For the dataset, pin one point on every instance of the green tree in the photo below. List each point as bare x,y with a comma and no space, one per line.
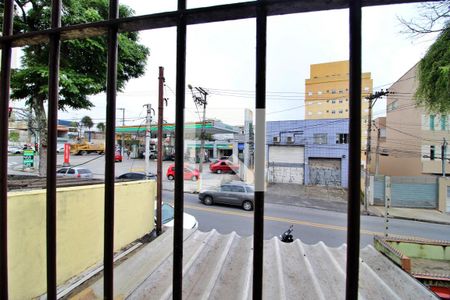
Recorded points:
83,61
433,91
101,126
14,136
87,122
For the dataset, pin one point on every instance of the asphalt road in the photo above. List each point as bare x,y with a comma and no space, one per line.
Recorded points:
310,225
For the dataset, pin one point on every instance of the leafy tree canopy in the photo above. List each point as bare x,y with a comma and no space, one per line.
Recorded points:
101,126
87,122
83,61
433,90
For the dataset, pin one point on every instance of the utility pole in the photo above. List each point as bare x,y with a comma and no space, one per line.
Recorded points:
372,100
443,156
200,99
159,175
147,137
122,135
377,158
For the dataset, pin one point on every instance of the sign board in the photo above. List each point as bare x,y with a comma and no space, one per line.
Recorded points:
28,158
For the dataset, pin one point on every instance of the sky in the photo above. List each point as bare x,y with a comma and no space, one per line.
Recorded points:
221,59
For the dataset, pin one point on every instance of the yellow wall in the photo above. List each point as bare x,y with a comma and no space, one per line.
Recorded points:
330,82
79,231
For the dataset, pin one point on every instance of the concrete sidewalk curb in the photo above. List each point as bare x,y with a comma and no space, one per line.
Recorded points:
380,214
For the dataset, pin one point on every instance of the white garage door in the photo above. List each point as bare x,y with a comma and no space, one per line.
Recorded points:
286,164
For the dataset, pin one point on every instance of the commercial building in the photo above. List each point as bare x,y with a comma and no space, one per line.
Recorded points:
327,94
414,138
191,137
310,152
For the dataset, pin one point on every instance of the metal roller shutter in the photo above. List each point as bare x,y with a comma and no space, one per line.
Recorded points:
286,164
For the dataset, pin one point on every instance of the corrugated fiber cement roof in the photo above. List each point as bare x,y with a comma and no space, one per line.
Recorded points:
219,266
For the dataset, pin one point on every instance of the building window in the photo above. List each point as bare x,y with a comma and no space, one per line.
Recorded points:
341,138
432,117
333,91
341,111
319,92
340,101
319,113
333,111
319,103
341,91
346,100
328,111
432,152
333,101
392,106
310,93
366,89
309,113
443,122
320,138
346,110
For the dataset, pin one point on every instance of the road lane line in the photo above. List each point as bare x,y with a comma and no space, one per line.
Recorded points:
279,219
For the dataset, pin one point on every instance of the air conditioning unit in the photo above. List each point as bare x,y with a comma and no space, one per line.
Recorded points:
276,139
290,139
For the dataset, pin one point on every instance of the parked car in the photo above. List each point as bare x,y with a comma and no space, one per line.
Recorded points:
118,157
77,172
15,150
137,176
238,193
223,166
189,173
167,210
60,149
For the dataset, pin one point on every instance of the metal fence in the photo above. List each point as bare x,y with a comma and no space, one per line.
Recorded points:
180,18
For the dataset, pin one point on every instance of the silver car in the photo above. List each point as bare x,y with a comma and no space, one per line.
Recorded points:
239,194
76,172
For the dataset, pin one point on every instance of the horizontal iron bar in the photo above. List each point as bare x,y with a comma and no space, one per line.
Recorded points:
202,15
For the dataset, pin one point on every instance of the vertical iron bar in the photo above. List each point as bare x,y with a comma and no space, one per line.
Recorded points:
258,227
111,86
159,176
179,149
4,105
354,174
52,133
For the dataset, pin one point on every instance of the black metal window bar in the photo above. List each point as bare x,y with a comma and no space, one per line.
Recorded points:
181,18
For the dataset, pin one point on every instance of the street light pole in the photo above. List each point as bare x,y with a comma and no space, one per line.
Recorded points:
122,135
200,99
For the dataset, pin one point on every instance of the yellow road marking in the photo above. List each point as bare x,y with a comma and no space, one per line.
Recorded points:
279,219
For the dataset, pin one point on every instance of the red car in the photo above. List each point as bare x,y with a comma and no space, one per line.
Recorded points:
222,166
117,157
189,173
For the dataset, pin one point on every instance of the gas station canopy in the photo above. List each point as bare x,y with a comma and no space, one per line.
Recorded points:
211,127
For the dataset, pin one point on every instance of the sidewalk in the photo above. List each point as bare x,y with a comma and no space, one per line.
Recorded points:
335,199
416,214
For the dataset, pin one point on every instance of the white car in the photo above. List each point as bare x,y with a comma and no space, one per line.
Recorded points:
189,221
15,150
76,172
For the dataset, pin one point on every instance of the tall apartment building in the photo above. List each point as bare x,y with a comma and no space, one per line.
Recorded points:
327,94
